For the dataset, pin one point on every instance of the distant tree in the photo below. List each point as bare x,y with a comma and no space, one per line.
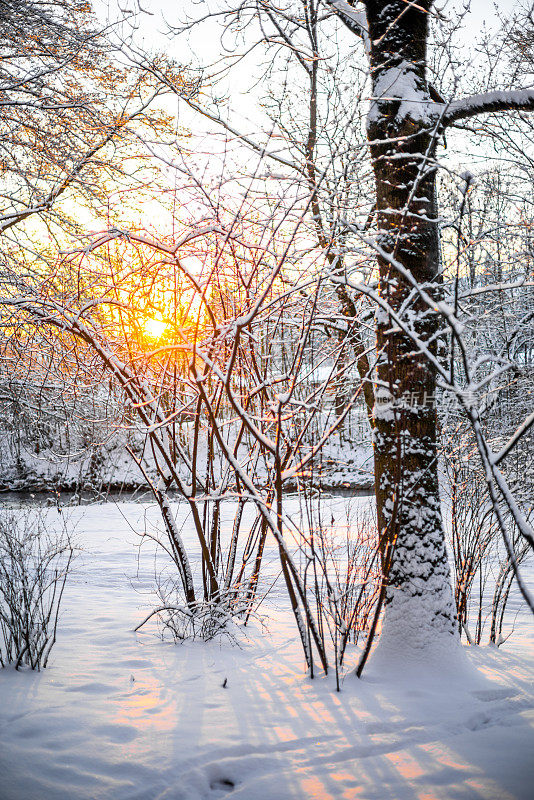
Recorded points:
72,104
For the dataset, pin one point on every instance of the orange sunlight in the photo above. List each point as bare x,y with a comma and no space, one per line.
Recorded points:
154,328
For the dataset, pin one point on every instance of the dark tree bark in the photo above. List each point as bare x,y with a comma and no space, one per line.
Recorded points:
402,139
405,121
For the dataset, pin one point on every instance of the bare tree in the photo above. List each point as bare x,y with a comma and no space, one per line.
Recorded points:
72,104
405,125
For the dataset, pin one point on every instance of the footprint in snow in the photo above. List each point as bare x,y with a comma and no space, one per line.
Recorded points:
92,687
478,721
222,785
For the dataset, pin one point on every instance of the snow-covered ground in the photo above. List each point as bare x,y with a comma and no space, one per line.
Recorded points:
125,716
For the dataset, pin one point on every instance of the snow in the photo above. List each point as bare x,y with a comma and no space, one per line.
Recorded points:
110,467
356,21
125,716
403,83
511,100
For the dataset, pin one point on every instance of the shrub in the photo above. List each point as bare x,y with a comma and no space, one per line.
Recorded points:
34,565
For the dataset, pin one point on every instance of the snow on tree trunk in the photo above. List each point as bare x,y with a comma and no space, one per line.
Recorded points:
419,607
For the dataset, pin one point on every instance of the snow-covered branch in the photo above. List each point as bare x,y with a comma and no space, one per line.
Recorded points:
353,19
487,103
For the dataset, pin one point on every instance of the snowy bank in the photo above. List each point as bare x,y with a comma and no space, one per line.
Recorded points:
120,716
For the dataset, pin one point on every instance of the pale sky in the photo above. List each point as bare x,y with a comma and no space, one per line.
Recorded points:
205,45
246,115
482,11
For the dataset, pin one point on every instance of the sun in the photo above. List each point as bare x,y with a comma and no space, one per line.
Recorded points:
154,328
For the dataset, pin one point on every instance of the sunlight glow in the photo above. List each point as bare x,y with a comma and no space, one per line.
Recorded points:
154,328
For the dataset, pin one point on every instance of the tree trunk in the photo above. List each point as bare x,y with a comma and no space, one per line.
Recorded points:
419,608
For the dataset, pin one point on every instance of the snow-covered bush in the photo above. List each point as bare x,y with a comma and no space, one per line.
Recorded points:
342,574
483,566
34,565
204,620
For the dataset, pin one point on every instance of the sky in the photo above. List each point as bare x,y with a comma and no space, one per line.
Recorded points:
205,47
482,12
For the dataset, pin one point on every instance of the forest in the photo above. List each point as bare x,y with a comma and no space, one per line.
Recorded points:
266,392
